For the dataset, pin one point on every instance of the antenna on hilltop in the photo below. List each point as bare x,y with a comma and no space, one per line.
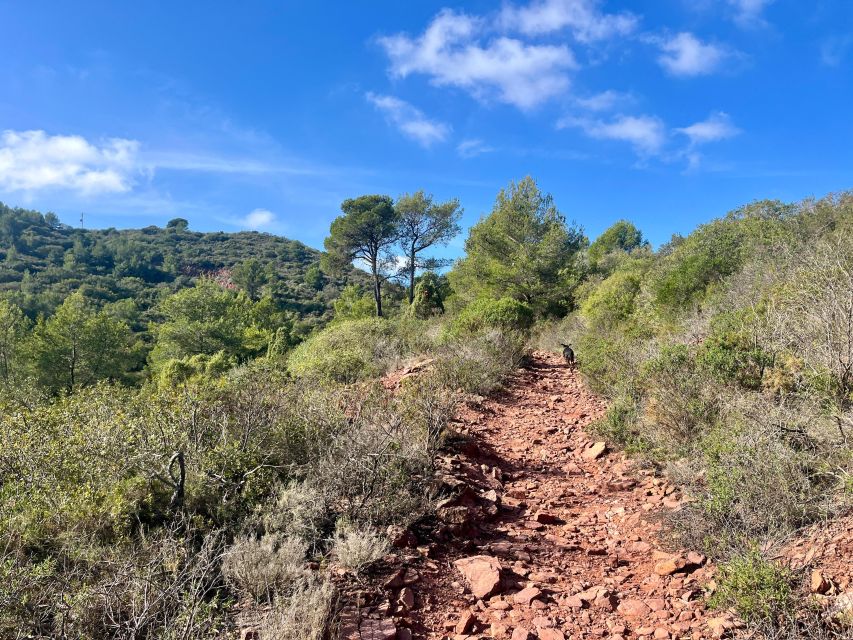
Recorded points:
81,219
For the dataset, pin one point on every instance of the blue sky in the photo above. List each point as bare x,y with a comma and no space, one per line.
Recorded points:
267,114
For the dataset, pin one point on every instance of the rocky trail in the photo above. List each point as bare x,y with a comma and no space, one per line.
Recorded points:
544,533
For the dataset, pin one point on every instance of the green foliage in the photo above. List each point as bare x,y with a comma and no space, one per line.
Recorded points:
354,304
758,589
732,353
422,224
206,320
613,302
366,231
484,314
250,276
429,296
346,351
678,398
13,329
524,250
620,238
79,346
43,261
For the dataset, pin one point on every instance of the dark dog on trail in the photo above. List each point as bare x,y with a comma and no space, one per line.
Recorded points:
568,354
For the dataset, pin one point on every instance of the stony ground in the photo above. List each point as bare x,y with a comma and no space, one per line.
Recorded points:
544,534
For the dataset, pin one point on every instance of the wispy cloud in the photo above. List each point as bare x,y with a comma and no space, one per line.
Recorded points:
834,49
459,50
409,120
685,55
646,134
749,13
35,160
472,147
584,18
205,162
718,126
604,101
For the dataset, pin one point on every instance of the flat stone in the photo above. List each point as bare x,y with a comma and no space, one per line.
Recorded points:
482,573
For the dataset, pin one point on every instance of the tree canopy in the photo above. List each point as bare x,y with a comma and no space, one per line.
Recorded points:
366,231
424,223
523,249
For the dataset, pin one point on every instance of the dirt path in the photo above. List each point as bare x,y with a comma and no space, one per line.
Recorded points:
548,535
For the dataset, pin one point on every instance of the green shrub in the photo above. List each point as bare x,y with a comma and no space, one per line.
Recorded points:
479,364
680,403
756,588
483,314
621,425
347,351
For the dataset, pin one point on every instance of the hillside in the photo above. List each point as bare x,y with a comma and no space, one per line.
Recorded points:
42,261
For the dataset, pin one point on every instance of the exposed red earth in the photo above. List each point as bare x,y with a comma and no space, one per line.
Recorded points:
545,534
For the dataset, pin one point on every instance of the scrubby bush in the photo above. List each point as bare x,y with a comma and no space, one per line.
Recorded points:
261,568
484,314
356,547
303,615
478,364
347,351
757,589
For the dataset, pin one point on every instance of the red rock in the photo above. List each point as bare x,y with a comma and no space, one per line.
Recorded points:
551,634
466,623
520,633
407,598
669,566
526,595
818,582
661,634
378,629
547,518
482,573
633,608
595,451
573,602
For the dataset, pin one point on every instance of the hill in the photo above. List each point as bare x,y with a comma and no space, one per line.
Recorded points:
42,261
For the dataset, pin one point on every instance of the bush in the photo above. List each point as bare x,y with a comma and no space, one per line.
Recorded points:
479,364
347,351
356,547
266,567
302,615
299,511
485,314
680,403
759,590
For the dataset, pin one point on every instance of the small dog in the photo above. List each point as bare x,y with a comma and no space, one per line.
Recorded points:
568,354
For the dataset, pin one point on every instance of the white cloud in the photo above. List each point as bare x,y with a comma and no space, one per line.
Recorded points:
718,126
34,160
259,219
749,12
409,120
583,18
833,50
685,55
604,101
472,147
453,51
647,134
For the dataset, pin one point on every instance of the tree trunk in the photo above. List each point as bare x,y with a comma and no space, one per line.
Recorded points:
377,291
412,276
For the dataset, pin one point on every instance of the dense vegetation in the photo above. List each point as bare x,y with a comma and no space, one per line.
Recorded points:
43,261
172,451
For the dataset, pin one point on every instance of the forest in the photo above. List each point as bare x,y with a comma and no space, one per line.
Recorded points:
196,421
